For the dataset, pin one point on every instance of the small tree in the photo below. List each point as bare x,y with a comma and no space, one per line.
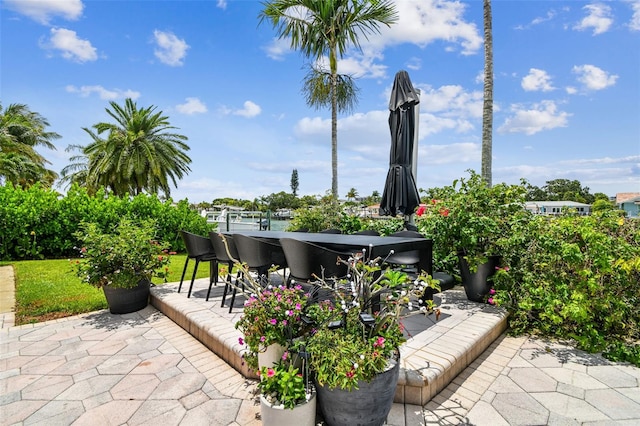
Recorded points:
295,184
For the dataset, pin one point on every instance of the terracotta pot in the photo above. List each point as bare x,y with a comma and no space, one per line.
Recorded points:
301,415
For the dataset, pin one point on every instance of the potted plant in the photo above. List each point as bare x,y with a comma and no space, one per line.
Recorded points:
122,261
270,322
354,345
286,395
467,220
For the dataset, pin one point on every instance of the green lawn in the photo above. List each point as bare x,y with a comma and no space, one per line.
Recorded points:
49,289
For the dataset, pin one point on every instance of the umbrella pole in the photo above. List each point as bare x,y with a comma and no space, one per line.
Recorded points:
409,221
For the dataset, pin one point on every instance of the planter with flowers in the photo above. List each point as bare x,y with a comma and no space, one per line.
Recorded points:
467,222
354,345
272,326
122,261
286,395
270,323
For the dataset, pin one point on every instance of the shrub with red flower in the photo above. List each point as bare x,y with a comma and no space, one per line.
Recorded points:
469,217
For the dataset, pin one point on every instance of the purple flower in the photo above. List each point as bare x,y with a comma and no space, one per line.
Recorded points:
273,321
241,340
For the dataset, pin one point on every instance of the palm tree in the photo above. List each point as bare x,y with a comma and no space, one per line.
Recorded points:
328,27
352,194
487,107
21,130
138,153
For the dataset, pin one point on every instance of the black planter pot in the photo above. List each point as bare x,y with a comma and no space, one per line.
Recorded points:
369,405
475,284
127,300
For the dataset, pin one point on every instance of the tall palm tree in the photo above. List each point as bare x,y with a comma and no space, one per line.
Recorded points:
487,107
138,153
21,131
328,27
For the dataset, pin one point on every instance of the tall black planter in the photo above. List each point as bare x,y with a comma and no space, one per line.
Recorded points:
127,300
475,284
369,405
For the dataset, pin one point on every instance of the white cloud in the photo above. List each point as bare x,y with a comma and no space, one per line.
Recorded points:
427,21
192,106
70,46
537,80
109,95
278,48
222,4
414,63
598,17
420,23
538,20
571,90
455,153
634,23
541,116
451,101
594,78
171,50
249,110
43,11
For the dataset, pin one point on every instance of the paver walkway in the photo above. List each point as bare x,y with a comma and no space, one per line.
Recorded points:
141,368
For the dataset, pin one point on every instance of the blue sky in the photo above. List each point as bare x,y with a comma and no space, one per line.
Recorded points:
567,90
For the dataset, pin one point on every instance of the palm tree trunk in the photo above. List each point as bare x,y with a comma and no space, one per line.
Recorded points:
334,134
487,107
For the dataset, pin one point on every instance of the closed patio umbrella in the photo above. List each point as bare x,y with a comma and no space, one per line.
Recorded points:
400,195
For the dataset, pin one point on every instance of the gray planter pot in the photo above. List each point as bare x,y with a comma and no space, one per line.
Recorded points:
475,284
369,405
127,300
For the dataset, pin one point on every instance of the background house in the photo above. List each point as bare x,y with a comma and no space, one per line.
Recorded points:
554,208
629,202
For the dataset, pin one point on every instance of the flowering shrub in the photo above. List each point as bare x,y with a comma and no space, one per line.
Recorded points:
271,315
357,333
283,384
122,257
469,217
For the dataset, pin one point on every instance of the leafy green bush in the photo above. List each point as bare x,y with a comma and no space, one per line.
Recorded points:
575,277
122,256
37,223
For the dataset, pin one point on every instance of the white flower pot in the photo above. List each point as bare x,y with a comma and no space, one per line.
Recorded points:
301,415
270,355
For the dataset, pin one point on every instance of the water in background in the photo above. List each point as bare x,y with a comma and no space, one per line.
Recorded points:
279,225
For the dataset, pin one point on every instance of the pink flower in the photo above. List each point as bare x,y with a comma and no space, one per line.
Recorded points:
262,338
271,372
379,342
298,307
285,355
492,291
491,301
273,321
241,340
